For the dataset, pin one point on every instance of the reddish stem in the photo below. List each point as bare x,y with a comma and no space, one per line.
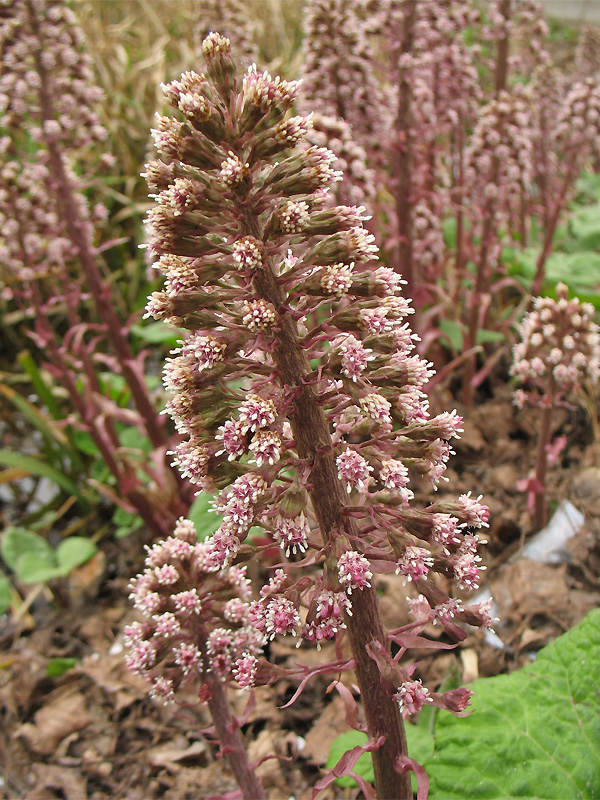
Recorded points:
314,445
501,72
550,228
76,229
540,513
402,156
231,740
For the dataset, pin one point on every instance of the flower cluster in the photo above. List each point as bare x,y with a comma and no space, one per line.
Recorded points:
577,131
339,79
41,43
558,351
298,385
47,95
253,297
231,17
498,159
196,617
358,184
587,56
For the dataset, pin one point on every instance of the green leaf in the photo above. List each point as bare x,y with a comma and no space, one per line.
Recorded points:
483,336
84,442
73,552
115,386
206,522
575,269
158,333
135,439
58,666
33,568
5,594
449,232
585,227
420,747
364,765
126,523
534,734
453,332
19,542
37,467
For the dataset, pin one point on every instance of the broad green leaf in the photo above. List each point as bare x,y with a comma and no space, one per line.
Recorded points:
585,227
73,552
420,747
126,523
588,185
135,439
577,270
5,594
449,232
58,666
364,765
18,542
534,734
205,521
32,568
84,442
115,386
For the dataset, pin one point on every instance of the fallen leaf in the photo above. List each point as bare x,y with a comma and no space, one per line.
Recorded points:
196,754
64,714
51,780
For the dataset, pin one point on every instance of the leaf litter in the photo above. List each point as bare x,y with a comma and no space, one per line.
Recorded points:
92,732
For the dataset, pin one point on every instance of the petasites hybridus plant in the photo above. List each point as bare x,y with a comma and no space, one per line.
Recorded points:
303,402
559,351
50,137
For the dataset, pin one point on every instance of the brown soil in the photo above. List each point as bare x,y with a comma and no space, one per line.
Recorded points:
93,732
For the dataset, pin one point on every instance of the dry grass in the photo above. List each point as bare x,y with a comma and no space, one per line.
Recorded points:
138,44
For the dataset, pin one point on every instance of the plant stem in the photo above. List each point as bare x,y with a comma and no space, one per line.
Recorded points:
313,443
501,72
76,230
402,156
550,228
540,513
482,282
231,740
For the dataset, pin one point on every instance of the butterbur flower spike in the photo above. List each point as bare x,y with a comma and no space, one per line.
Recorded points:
558,352
300,393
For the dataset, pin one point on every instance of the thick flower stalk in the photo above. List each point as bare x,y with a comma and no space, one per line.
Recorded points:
559,351
298,387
